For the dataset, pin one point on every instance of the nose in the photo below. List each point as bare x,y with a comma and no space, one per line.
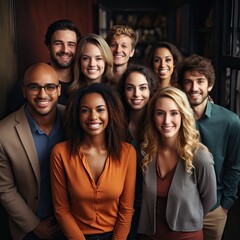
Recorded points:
136,92
64,47
162,63
194,86
166,118
93,115
118,48
92,62
42,92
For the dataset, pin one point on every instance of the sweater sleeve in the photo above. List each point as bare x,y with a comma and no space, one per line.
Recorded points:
206,179
60,196
126,200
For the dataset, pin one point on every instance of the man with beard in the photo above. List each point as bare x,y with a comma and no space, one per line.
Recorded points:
220,131
26,141
61,38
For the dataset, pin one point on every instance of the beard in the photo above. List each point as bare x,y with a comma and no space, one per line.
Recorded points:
63,65
195,103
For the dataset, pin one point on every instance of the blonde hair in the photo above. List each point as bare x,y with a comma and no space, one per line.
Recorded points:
119,30
79,79
188,140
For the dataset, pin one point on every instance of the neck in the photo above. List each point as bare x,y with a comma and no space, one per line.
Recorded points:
64,74
45,122
199,109
119,70
96,142
165,83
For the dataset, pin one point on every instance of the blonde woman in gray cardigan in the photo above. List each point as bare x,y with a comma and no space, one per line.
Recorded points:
179,184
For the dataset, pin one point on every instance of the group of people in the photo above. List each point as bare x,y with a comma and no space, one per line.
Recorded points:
96,168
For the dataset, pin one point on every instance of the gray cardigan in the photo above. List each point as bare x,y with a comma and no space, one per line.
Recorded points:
190,197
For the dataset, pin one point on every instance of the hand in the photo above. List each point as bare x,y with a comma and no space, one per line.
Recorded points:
46,228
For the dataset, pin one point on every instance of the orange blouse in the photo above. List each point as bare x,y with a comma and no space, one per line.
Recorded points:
85,207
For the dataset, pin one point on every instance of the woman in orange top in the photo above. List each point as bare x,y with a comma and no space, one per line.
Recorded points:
93,173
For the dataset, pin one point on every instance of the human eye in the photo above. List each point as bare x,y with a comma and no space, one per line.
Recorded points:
113,45
174,113
50,88
99,58
57,43
129,88
159,113
186,82
168,59
142,88
156,60
84,110
72,44
101,109
85,58
33,87
201,81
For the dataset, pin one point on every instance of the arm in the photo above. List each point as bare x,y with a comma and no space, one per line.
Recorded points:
11,199
231,173
206,179
126,200
60,197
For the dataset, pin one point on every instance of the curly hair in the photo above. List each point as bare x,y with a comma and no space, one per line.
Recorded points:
113,137
198,64
79,79
188,139
119,30
177,58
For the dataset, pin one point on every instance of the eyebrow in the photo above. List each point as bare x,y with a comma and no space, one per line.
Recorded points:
139,84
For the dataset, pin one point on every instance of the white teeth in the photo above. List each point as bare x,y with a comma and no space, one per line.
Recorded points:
163,71
137,101
94,126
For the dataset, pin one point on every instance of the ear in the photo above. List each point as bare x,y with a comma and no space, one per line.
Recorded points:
132,52
59,89
210,88
23,89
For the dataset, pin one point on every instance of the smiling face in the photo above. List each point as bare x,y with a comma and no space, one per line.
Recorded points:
92,63
163,64
137,91
196,87
167,118
41,104
93,114
63,48
122,50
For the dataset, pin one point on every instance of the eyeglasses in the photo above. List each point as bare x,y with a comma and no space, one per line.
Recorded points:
34,89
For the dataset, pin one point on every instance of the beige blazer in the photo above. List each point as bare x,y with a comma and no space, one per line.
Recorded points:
19,174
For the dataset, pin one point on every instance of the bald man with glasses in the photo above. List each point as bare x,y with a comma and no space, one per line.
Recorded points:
26,140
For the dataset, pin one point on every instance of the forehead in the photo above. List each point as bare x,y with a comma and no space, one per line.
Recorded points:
91,49
136,78
162,52
122,39
92,100
64,35
166,103
41,76
194,75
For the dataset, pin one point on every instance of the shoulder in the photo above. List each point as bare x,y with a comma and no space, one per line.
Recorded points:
61,147
127,147
225,114
202,156
12,119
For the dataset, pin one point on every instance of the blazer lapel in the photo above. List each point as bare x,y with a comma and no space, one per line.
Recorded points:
25,135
